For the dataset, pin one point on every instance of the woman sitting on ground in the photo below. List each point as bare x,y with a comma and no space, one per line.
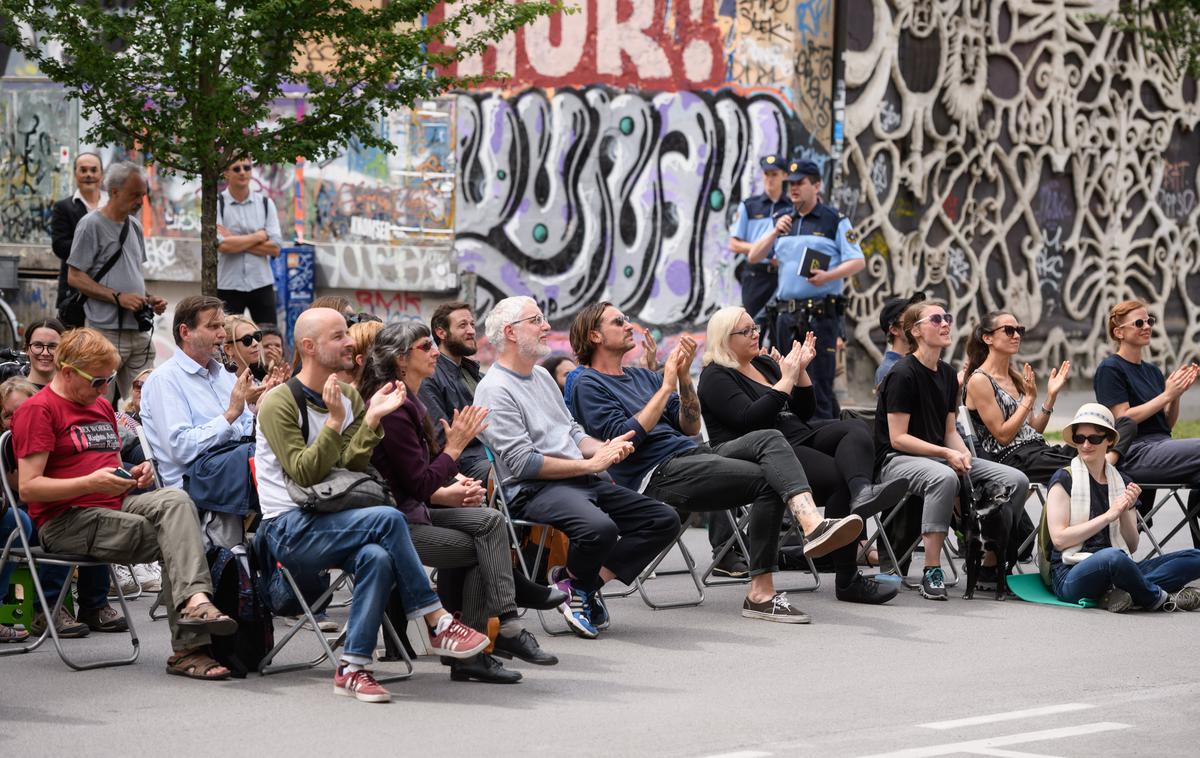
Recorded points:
916,438
742,391
1094,531
41,343
1001,402
450,528
1135,388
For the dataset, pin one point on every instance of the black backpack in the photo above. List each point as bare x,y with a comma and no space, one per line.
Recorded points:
236,595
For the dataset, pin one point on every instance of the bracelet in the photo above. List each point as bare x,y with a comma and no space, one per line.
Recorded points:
1046,410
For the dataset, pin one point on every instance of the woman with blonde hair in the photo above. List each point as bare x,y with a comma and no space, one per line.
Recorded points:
743,391
243,346
363,333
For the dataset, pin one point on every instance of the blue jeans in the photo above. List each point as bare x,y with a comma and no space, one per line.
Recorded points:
93,580
1144,581
373,545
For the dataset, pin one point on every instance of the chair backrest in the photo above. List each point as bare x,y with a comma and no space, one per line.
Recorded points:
8,461
966,428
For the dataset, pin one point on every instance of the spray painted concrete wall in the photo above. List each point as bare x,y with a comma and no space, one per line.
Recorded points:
1016,154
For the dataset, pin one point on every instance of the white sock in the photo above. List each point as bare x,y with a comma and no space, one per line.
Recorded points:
351,667
442,623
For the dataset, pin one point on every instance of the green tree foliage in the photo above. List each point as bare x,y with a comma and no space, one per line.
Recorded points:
1170,28
190,83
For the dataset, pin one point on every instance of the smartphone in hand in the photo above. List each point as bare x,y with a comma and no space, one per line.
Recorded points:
122,473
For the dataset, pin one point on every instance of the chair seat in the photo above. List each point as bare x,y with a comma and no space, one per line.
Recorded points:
41,554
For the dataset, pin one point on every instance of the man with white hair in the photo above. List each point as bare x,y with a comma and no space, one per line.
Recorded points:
554,473
106,265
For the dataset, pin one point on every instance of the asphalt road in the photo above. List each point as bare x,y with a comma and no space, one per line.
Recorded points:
913,678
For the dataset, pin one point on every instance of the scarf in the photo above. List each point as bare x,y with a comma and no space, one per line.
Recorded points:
1081,507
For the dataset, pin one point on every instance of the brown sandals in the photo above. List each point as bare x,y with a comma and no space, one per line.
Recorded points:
207,617
196,664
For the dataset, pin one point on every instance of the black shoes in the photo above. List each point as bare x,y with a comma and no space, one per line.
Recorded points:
732,565
864,589
877,498
482,668
831,534
524,646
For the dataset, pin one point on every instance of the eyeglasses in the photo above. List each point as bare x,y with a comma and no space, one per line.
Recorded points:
424,347
750,331
621,321
361,318
537,320
43,347
98,383
1139,323
1008,329
247,339
938,319
1094,439
242,168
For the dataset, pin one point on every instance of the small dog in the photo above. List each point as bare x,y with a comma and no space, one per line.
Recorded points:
986,526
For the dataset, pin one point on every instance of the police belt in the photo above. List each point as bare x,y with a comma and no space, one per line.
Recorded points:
830,305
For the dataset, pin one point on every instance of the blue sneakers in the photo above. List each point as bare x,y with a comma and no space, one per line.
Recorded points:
577,611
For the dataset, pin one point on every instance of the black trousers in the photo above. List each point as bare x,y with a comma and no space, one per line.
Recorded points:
794,326
260,302
607,525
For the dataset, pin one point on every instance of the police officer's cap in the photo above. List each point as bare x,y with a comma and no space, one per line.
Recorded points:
772,162
798,170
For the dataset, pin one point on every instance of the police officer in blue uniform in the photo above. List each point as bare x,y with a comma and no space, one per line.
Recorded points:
811,298
756,219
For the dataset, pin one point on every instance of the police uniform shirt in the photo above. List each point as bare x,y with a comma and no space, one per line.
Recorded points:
825,230
756,218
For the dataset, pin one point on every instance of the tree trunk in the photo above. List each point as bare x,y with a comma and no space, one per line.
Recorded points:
208,230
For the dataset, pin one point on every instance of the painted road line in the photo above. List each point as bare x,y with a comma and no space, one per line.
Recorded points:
1008,716
980,747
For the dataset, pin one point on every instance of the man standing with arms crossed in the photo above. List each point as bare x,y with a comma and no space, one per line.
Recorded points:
248,237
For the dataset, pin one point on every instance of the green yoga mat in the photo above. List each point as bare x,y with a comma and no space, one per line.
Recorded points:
1029,588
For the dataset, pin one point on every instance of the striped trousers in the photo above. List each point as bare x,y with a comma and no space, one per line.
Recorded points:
469,547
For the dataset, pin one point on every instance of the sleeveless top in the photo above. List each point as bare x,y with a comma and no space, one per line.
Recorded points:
991,448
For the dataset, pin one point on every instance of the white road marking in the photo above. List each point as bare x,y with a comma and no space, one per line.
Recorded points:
1008,716
980,747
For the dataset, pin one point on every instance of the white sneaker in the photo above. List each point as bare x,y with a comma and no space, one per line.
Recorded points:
128,584
324,623
149,575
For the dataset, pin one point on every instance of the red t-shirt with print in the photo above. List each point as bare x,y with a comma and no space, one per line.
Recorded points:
79,438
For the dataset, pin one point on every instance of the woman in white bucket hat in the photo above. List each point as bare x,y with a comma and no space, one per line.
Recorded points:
1093,531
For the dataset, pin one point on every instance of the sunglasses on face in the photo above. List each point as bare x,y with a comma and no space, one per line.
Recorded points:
1142,322
247,339
938,319
98,383
424,347
1009,330
537,320
750,331
241,168
1094,439
621,321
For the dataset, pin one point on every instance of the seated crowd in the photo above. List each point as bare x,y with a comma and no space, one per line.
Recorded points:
614,456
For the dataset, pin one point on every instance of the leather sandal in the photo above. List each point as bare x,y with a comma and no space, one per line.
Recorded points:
196,664
207,617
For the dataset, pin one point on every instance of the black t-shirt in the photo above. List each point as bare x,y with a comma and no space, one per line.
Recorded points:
1119,381
927,396
1099,504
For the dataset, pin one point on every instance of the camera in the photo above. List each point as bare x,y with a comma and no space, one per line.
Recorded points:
144,317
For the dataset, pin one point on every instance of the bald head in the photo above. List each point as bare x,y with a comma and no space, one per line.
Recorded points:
321,336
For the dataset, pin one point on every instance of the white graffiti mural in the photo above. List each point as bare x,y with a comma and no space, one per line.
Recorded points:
597,193
1017,154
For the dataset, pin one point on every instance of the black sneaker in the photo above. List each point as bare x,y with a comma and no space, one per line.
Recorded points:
864,589
831,534
1116,601
732,565
776,609
933,584
986,579
877,498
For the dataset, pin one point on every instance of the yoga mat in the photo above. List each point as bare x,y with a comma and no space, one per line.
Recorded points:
1029,588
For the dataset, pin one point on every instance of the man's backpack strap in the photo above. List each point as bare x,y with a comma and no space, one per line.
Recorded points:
302,403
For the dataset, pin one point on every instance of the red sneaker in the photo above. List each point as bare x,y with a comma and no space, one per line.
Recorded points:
359,684
458,641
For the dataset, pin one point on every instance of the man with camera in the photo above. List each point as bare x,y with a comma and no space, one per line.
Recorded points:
817,250
105,265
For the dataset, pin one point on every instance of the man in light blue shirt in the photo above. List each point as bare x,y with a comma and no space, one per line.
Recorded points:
191,404
248,237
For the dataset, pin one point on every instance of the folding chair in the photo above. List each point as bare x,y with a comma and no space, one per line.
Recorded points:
639,584
738,524
1173,494
34,557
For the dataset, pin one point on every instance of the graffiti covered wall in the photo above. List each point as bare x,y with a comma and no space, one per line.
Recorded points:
1016,154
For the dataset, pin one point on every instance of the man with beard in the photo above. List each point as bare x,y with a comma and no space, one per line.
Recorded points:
452,386
553,473
191,404
372,541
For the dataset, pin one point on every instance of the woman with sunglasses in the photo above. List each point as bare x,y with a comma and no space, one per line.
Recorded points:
451,527
1007,419
1093,531
1135,388
742,391
41,342
243,346
916,438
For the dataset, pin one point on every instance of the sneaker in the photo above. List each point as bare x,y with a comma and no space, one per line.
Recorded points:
732,565
933,584
149,575
125,579
1186,599
64,623
831,534
12,634
866,590
986,579
104,619
324,623
360,685
578,620
1116,601
876,498
776,609
598,610
457,640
